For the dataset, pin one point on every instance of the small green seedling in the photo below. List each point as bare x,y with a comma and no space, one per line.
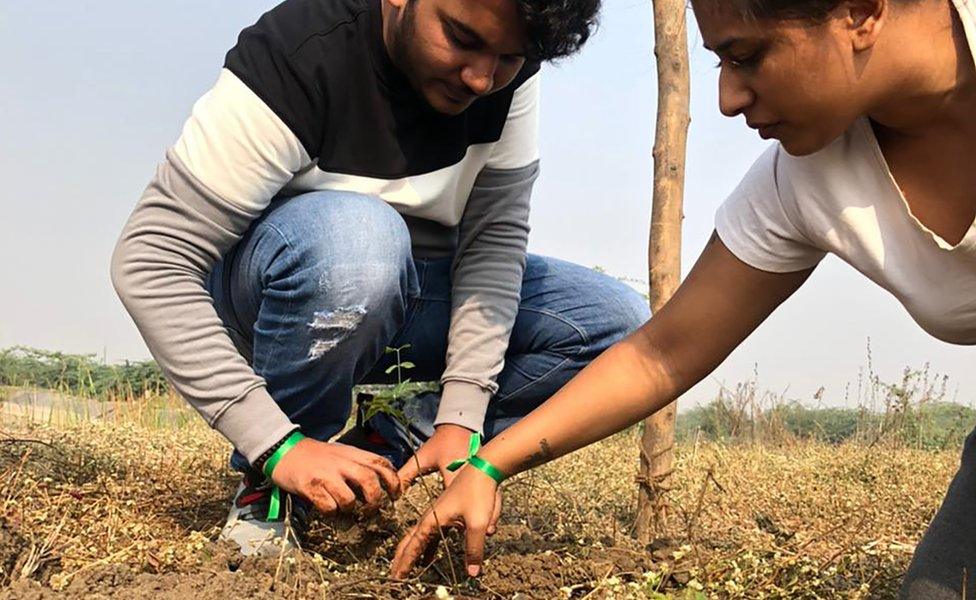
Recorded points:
390,399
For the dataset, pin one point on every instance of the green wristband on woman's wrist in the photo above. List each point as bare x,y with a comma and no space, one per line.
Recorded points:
274,507
476,461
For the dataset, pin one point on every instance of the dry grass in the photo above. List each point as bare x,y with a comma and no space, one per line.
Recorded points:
92,505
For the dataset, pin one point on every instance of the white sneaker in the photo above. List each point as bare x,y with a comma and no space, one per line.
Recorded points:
248,525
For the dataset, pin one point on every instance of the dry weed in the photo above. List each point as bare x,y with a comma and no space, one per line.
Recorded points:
118,506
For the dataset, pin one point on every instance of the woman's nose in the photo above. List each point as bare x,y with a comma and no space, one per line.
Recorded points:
733,95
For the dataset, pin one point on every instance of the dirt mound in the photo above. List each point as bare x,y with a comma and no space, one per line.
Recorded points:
20,558
523,563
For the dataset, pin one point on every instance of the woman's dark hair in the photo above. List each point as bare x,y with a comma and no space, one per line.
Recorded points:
557,28
811,10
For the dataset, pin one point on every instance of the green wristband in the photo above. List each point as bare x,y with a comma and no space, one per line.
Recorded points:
274,507
476,461
486,467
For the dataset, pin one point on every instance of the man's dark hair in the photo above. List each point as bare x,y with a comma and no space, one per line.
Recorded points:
557,28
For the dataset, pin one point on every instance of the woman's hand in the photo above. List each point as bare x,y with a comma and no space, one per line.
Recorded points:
471,502
717,306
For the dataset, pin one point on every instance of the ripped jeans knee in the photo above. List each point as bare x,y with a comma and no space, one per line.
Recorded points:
329,328
316,289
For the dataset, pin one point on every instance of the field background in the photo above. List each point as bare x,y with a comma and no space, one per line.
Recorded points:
110,486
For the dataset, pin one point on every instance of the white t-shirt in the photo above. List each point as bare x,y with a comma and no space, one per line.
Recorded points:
789,212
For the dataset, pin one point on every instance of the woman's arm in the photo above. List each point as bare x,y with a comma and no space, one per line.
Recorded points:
720,303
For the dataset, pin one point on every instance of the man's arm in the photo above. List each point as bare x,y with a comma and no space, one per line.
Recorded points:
486,287
488,268
234,155
246,138
188,217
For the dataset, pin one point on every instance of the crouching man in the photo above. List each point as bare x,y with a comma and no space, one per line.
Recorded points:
358,178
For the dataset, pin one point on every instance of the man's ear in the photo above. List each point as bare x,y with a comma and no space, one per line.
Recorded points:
397,4
864,20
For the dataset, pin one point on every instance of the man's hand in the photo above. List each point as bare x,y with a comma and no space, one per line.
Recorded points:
334,476
448,444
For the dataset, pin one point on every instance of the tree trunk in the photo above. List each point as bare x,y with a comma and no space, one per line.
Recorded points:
664,253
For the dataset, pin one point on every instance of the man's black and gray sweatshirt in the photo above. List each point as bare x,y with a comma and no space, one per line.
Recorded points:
308,100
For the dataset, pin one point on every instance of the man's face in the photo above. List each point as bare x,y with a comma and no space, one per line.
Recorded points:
454,52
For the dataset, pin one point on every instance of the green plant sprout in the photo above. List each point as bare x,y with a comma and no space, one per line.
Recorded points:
389,400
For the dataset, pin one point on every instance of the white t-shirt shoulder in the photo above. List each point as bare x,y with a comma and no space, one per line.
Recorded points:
790,211
754,224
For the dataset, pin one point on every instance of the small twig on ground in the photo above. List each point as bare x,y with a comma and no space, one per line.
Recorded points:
599,583
6,441
284,541
103,560
440,529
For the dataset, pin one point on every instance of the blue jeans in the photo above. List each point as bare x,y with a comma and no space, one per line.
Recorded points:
322,283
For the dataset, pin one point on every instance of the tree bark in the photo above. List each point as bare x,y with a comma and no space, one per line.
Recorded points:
664,250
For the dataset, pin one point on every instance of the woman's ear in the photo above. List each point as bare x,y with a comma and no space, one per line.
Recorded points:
864,20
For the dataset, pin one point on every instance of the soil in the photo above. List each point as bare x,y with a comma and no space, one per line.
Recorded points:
224,575
18,556
111,510
539,556
522,565
12,547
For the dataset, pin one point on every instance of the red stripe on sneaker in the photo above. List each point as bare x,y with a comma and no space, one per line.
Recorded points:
249,499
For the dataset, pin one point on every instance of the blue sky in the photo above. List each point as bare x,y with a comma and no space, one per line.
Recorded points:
93,94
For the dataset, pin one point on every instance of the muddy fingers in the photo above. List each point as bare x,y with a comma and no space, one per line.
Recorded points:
314,470
469,501
413,545
322,501
367,482
383,468
344,496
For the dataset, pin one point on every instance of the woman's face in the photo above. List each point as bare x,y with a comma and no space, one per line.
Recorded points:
795,81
